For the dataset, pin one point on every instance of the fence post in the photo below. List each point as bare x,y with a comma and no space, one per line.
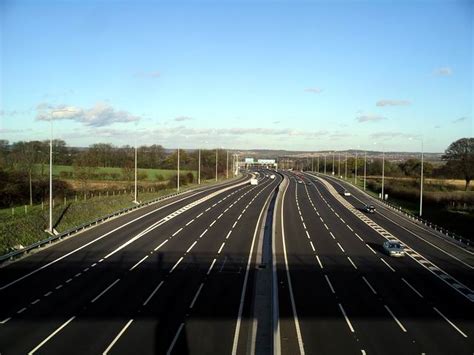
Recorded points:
26,209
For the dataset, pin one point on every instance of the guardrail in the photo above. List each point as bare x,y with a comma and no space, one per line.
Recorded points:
464,242
16,253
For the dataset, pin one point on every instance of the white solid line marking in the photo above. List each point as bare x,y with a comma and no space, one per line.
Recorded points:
170,349
319,262
355,267
372,250
391,268
191,221
108,288
153,293
117,337
142,260
47,294
214,221
192,246
370,286
346,318
228,234
176,265
5,320
312,246
220,249
332,235
340,246
179,230
52,335
159,246
196,295
452,324
210,267
413,289
395,318
35,301
358,236
330,284
21,310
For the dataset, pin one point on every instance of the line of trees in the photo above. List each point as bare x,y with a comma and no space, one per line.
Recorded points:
24,166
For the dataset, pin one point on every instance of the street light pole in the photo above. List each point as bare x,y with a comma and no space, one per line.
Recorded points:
199,166
216,164
355,177
312,164
51,177
177,179
345,174
325,164
135,194
365,168
339,166
318,164
383,173
227,165
421,178
333,163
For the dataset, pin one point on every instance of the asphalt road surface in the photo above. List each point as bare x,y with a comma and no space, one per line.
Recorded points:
179,277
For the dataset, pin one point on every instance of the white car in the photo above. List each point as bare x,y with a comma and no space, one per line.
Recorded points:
346,193
394,248
272,176
253,181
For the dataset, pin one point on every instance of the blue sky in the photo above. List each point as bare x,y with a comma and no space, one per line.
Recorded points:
297,75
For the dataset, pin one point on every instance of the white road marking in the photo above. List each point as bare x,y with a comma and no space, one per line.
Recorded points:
372,250
47,294
159,246
307,234
346,318
340,246
228,234
196,295
191,221
21,310
355,267
235,223
86,269
332,235
451,323
319,262
102,293
312,246
101,260
207,209
370,286
106,351
205,231
58,287
220,249
153,293
5,320
413,289
139,262
51,335
220,215
200,214
170,349
179,230
192,246
330,284
391,268
358,236
348,226
325,225
176,265
93,264
35,301
214,221
210,267
395,318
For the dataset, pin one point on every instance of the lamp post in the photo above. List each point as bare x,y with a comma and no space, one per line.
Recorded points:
345,173
50,230
318,163
177,177
355,176
312,164
216,164
333,162
339,166
227,166
324,164
421,176
365,168
136,191
199,166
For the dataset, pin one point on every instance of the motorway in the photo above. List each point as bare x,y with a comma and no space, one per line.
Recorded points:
180,277
340,294
165,279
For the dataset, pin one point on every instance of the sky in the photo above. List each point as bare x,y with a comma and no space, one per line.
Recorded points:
294,75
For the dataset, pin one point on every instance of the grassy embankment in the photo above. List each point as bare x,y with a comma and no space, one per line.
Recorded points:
24,227
445,203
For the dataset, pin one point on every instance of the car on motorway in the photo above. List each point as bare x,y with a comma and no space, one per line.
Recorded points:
394,248
300,181
369,208
346,193
253,181
272,176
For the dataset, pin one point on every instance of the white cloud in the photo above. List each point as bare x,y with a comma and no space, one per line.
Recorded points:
443,71
388,102
183,118
370,118
460,119
314,90
101,114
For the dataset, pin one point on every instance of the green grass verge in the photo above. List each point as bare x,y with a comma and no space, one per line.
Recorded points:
22,228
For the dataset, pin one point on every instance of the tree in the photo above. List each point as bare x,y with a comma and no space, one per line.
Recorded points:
25,157
460,158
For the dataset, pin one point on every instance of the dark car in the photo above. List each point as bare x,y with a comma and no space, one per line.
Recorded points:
369,208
